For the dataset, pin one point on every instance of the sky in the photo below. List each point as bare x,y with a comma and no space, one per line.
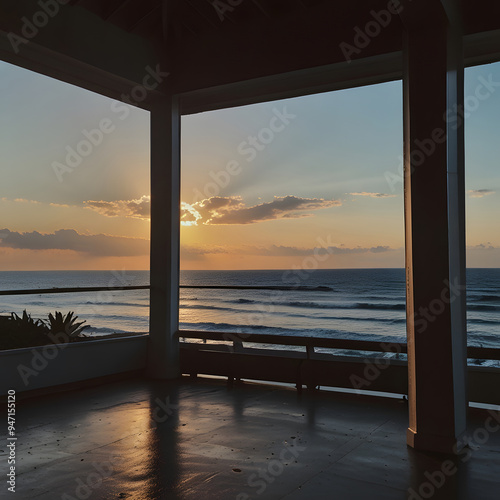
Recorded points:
53,217
308,182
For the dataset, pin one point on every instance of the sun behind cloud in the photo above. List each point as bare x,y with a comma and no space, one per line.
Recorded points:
218,210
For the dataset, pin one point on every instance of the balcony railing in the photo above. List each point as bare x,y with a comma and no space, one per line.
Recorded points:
41,291
309,343
235,360
379,373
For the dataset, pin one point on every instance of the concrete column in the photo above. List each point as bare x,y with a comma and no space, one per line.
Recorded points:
435,234
163,355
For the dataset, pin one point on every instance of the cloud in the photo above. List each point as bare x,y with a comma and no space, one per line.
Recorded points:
232,210
374,195
136,209
282,251
343,250
101,245
482,246
217,209
479,193
24,200
193,253
278,251
35,202
198,253
59,205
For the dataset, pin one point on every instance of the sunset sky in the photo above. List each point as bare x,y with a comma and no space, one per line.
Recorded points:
263,186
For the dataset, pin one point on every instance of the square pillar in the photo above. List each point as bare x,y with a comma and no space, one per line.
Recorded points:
434,195
163,353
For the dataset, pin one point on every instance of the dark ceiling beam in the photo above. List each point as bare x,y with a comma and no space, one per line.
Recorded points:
342,75
297,39
76,46
72,70
481,15
204,52
482,48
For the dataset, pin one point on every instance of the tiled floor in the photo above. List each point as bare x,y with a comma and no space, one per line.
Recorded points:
139,439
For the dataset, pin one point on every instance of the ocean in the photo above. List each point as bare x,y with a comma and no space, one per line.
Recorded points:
363,304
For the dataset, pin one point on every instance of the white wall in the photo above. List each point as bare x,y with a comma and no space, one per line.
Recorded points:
39,367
